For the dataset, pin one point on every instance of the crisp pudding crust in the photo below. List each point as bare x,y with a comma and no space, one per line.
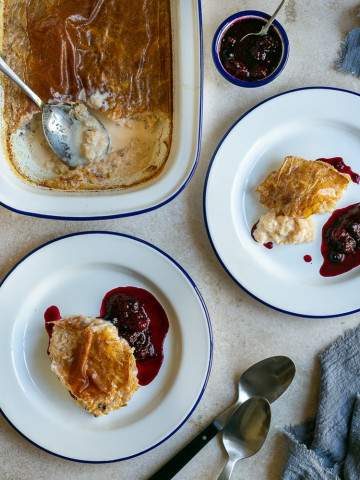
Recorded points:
300,188
93,363
75,51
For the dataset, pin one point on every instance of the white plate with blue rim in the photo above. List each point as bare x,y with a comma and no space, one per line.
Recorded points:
74,273
315,122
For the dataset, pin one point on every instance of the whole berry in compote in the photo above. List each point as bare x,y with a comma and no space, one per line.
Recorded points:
263,47
128,314
258,54
229,54
354,230
147,351
338,163
342,241
143,347
259,72
231,40
237,68
242,70
138,339
336,257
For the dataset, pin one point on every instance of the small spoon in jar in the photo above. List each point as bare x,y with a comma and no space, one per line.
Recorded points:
266,27
67,126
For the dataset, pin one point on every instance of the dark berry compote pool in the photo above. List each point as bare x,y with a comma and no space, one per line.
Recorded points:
142,321
340,245
256,57
51,315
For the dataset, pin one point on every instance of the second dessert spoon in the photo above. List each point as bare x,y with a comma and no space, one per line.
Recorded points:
245,432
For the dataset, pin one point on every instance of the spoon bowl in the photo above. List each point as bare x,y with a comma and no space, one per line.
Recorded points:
64,130
246,432
266,27
269,379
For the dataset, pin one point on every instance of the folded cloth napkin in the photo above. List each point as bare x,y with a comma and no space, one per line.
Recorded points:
349,60
329,447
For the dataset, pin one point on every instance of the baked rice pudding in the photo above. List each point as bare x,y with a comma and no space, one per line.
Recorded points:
299,189
115,59
93,363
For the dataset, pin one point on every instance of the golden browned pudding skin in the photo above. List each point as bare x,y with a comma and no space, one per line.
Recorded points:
93,363
301,188
71,50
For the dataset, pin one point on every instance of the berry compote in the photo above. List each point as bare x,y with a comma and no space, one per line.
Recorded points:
256,57
142,321
340,245
51,315
340,165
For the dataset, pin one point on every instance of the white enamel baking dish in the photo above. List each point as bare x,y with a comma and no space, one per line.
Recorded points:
26,199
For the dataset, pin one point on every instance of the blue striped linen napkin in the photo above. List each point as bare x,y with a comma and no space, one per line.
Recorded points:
349,61
328,448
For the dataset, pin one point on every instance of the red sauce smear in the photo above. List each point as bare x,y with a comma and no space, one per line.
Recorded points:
51,315
142,321
307,258
340,245
340,165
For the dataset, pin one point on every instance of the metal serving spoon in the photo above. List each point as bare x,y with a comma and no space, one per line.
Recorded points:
269,379
267,25
60,128
245,432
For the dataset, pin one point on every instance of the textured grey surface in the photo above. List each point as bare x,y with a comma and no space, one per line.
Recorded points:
244,330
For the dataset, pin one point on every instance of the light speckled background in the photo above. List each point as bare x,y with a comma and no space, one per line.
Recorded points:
244,330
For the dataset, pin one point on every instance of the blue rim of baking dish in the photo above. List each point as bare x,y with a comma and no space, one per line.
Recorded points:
178,191
205,310
295,314
219,35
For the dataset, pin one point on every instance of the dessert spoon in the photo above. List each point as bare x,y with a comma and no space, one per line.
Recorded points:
245,432
267,25
268,379
60,128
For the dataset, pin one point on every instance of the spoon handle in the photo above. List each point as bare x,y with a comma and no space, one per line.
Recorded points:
4,68
265,29
228,469
173,466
